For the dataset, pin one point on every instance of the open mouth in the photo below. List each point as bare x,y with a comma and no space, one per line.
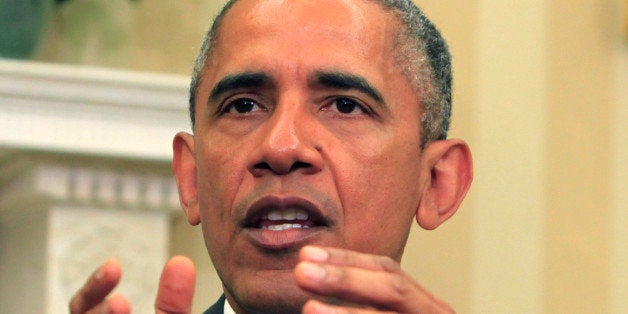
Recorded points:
276,214
278,220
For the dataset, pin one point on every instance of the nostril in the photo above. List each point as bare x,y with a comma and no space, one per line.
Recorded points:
262,166
299,164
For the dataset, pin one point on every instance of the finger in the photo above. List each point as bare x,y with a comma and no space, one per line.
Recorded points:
116,304
97,287
342,257
382,290
176,286
317,307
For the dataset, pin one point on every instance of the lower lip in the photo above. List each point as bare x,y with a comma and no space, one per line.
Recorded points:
281,239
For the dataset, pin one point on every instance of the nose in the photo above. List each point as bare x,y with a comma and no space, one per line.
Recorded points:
288,144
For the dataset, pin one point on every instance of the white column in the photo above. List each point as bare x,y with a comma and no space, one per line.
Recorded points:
63,215
61,220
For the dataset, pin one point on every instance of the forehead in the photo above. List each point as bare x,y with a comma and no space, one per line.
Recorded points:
335,15
330,28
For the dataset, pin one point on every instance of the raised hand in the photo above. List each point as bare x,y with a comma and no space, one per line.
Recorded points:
360,283
92,297
176,287
175,293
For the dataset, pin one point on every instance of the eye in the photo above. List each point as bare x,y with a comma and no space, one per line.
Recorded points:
347,106
242,106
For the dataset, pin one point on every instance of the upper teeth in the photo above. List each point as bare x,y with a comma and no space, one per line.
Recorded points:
282,227
288,214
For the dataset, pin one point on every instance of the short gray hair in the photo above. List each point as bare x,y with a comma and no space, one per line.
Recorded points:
421,51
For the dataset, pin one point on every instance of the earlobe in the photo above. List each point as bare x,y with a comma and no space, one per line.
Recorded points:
446,173
184,169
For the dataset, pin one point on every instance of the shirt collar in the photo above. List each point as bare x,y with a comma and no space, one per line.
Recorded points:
228,309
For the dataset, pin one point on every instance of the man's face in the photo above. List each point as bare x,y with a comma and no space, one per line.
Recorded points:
306,132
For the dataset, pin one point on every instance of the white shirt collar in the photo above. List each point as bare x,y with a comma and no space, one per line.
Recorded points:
228,309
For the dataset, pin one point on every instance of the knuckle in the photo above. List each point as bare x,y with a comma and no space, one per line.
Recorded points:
340,281
401,289
388,264
339,278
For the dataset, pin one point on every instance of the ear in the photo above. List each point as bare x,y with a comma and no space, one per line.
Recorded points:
446,174
184,169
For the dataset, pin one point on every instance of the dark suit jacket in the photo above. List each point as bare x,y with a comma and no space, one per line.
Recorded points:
218,307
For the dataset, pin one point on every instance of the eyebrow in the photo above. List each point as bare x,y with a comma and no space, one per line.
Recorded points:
240,81
331,79
345,81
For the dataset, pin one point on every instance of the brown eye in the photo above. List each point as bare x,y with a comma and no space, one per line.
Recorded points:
347,106
241,106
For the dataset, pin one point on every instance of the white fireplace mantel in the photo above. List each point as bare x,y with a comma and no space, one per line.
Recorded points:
84,176
88,110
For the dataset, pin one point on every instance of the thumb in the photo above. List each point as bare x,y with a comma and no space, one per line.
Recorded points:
176,286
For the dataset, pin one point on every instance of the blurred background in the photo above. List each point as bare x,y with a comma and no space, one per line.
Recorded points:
92,91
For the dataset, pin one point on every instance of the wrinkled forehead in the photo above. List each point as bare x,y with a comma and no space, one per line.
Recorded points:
338,17
291,40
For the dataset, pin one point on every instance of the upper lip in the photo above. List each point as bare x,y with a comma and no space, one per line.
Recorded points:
266,204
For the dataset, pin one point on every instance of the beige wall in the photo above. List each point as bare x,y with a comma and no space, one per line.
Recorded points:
147,35
540,94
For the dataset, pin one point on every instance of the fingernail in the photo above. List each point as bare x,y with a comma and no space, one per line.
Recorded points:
312,271
100,272
315,254
321,308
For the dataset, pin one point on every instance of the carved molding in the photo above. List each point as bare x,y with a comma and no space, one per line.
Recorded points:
86,181
61,215
84,176
82,238
105,188
90,110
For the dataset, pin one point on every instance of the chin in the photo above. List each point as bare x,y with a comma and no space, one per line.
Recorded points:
263,295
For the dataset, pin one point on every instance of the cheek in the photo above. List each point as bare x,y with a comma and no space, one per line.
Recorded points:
383,167
391,185
221,173
379,187
216,192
